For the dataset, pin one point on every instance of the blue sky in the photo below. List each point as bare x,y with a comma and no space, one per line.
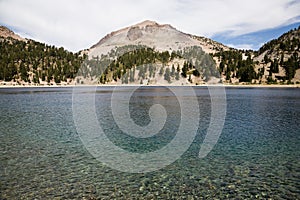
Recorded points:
78,24
254,40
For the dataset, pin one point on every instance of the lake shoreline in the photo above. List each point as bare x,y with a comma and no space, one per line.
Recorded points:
138,85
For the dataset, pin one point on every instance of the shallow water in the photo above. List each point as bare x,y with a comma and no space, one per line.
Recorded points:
257,154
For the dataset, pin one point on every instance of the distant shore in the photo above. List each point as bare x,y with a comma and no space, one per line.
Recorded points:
129,85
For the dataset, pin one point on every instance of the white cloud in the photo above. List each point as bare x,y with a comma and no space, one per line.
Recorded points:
78,24
241,46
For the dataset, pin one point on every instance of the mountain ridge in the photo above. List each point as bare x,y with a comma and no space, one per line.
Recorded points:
147,32
166,43
7,33
140,25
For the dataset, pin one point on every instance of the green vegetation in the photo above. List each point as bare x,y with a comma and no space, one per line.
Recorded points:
283,52
143,59
232,65
290,66
147,61
33,61
288,42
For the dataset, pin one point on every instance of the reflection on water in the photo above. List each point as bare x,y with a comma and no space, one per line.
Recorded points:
257,156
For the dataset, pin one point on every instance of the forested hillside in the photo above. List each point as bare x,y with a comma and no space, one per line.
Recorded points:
278,61
27,62
236,65
281,57
144,65
34,62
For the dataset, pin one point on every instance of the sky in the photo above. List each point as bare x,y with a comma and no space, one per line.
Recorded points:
78,24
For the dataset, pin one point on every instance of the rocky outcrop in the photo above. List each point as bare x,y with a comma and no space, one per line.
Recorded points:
6,33
134,33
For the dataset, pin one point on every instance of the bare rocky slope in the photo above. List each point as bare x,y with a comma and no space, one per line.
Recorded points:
162,37
6,33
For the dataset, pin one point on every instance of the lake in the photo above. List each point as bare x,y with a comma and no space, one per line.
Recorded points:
43,156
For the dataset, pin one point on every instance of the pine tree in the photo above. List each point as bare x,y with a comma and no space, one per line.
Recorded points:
161,71
177,76
167,75
173,71
184,70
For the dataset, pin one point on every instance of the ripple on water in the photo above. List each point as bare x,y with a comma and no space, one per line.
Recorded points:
257,156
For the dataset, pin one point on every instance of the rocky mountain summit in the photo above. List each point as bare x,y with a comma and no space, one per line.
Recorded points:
7,33
162,37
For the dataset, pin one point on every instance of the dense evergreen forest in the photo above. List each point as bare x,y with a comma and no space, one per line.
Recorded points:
123,63
34,62
232,65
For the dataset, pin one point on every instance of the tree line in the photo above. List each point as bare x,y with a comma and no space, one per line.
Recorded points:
232,65
122,63
32,62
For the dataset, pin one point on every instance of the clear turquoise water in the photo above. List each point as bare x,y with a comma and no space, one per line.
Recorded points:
257,155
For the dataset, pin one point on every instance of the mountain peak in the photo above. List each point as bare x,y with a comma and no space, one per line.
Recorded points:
135,31
7,33
147,23
149,33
